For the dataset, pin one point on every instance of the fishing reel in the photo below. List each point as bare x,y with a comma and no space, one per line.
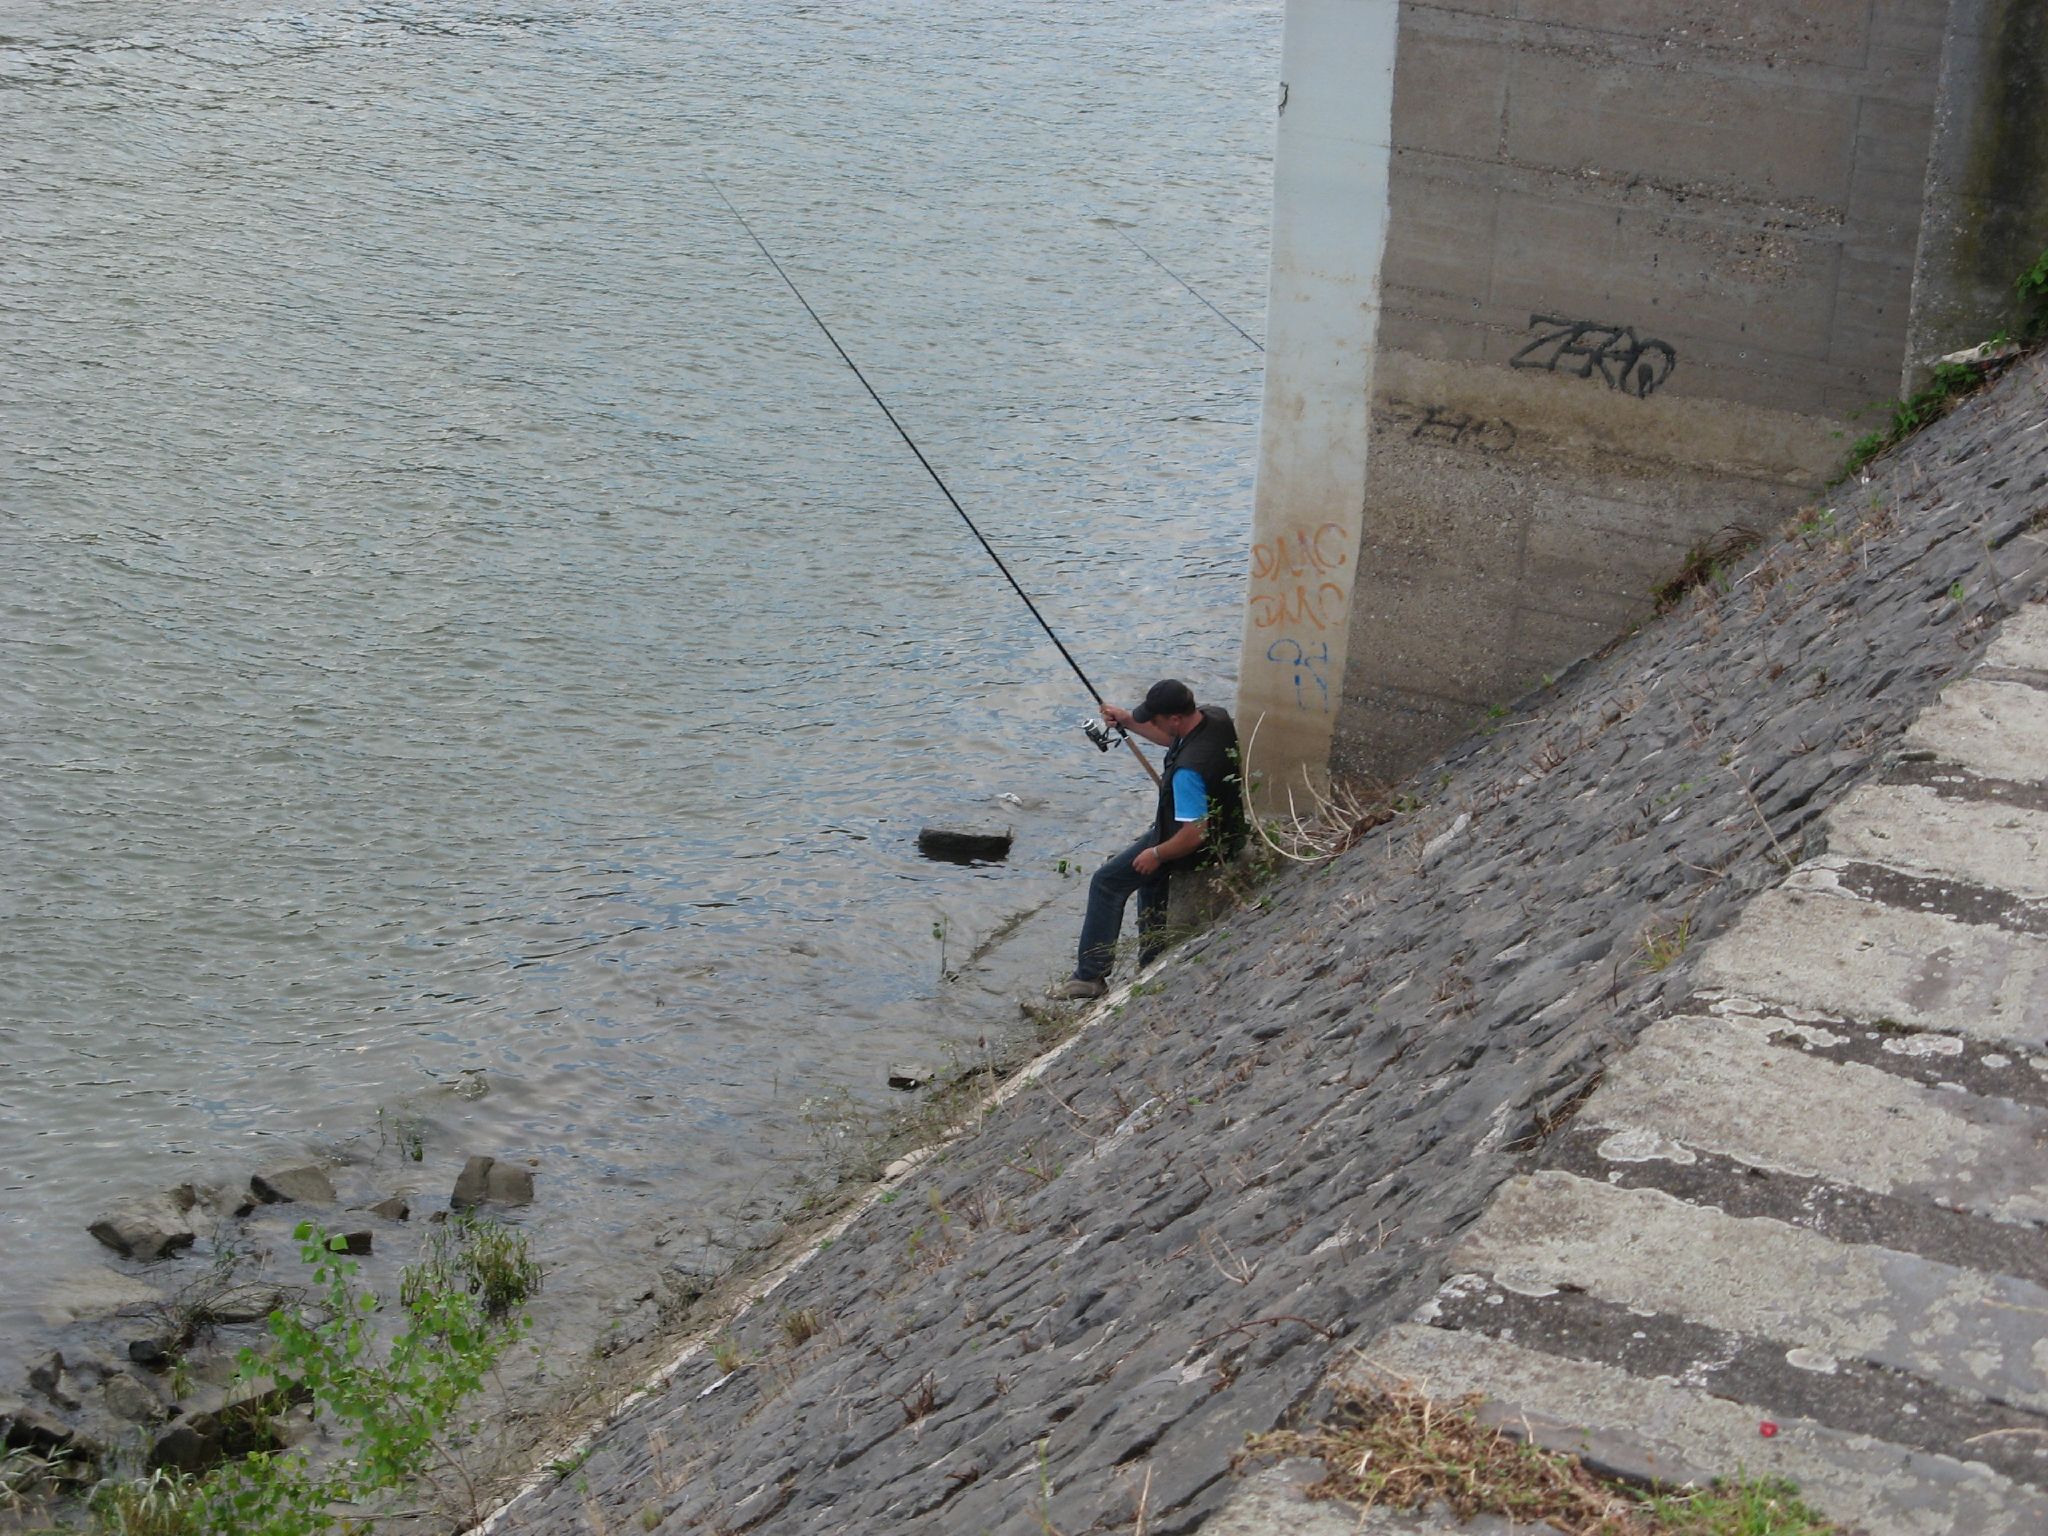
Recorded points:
1107,738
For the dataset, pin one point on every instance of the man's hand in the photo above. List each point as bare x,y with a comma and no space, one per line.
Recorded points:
1118,717
1147,861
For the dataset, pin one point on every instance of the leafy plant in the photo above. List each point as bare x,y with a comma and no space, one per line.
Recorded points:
2032,288
1950,383
563,1467
389,1406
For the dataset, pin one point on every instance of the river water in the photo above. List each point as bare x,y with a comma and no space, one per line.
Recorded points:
474,656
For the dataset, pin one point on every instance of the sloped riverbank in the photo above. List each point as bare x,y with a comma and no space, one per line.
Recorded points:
1071,1317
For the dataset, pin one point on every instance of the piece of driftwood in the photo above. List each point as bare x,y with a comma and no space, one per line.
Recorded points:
965,844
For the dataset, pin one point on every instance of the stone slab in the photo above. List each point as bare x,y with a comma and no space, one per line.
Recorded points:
1805,945
1869,1484
2022,640
1643,1249
1909,826
1720,1086
1995,728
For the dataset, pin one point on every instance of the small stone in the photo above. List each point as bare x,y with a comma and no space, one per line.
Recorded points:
397,1208
183,1448
28,1429
965,844
308,1185
509,1184
126,1398
243,1304
472,1185
908,1077
43,1376
358,1243
47,1377
146,1230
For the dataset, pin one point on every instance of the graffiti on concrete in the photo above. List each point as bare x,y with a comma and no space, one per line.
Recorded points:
1635,365
1310,668
1285,568
1318,607
1455,429
1299,552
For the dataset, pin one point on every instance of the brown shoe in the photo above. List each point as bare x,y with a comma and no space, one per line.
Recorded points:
1077,989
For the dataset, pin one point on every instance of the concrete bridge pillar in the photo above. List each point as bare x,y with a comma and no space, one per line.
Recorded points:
1322,324
1563,289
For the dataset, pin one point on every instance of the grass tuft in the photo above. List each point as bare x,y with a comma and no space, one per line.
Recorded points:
1388,1444
1662,944
489,1260
1706,565
802,1325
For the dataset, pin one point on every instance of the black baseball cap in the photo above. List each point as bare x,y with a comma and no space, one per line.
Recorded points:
1168,696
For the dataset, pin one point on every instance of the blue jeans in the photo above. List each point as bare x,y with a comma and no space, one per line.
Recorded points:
1108,889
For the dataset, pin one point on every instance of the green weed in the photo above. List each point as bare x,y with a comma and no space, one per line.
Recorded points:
1950,384
472,1253
386,1403
1662,944
802,1325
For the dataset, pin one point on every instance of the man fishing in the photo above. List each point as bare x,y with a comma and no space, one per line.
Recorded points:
1200,820
1201,808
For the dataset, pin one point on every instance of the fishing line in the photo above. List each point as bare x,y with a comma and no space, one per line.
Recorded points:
927,463
1162,266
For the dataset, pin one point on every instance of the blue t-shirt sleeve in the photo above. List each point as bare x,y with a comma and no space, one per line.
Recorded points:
1190,795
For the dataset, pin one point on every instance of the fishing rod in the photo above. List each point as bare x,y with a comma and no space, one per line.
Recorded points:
1162,266
1143,761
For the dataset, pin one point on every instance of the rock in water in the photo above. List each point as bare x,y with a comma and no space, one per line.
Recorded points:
472,1185
183,1448
966,844
309,1185
509,1184
150,1229
128,1399
485,1179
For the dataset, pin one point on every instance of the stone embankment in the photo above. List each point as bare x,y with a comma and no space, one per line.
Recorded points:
1798,1229
1367,1104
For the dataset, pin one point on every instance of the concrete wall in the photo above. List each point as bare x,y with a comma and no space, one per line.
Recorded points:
1644,261
1987,184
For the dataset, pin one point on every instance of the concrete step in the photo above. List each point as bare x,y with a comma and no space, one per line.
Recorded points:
1652,1254
2022,641
1994,728
1808,943
1912,827
1664,1428
1695,1089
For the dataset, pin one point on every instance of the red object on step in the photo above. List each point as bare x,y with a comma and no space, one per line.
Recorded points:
1767,1429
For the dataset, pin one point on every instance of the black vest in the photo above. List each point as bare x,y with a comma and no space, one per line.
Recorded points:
1211,751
